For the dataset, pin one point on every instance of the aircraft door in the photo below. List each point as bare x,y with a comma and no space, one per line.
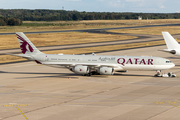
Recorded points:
79,59
45,58
157,62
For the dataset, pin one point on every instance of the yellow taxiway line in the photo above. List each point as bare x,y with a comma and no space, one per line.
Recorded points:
22,113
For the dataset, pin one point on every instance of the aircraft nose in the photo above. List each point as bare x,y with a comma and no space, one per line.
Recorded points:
172,65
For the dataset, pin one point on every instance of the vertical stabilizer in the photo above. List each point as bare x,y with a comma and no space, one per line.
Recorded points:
27,47
170,41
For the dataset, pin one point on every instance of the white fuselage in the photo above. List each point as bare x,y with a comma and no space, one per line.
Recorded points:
116,62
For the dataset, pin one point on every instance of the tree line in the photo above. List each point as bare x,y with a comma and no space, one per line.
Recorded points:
54,15
9,21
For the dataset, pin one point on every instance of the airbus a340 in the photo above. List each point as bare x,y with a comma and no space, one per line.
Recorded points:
91,64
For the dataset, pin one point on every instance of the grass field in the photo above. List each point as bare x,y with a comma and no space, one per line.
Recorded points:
150,31
30,26
104,22
50,39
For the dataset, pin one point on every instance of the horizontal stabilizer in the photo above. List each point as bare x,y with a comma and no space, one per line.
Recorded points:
169,51
21,55
164,50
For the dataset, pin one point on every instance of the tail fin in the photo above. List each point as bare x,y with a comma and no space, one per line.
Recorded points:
27,47
170,41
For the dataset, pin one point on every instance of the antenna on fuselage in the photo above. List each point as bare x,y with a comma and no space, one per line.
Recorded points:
93,54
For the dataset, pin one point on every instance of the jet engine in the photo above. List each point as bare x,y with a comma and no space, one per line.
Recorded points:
79,69
175,52
106,71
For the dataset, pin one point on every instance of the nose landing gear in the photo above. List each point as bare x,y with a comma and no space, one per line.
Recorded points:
158,74
169,74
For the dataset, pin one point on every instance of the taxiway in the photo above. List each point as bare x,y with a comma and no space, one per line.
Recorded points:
46,93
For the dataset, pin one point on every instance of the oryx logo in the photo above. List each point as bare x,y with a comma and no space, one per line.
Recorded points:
25,46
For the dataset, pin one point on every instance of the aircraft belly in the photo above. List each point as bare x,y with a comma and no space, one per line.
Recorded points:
118,68
147,67
56,66
138,67
163,67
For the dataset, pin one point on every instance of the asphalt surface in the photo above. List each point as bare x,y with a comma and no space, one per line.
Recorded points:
38,92
46,93
89,30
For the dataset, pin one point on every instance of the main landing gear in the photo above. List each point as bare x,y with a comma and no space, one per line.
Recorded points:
91,73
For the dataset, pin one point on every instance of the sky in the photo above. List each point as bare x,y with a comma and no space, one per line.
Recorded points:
140,6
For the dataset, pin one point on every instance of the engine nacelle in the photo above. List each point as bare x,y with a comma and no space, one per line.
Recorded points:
79,69
175,52
106,71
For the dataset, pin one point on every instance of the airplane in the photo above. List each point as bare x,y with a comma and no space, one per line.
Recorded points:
173,46
91,64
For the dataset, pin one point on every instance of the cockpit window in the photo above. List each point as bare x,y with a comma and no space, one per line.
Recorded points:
168,61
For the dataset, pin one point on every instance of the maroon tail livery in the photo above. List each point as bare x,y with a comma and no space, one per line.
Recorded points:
25,46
